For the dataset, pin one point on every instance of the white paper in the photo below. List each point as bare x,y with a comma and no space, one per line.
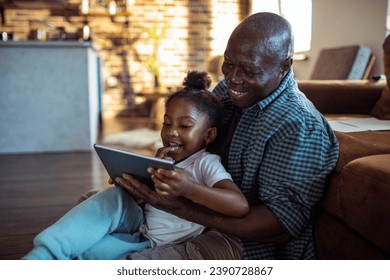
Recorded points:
360,124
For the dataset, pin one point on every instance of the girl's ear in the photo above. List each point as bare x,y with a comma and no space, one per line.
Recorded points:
211,135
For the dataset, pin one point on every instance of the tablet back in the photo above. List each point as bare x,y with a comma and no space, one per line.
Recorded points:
118,161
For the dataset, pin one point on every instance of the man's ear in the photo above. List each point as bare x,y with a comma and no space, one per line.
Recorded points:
286,65
211,135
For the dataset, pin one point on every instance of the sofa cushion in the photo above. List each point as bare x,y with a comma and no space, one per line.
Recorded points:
381,108
364,196
345,62
354,145
343,186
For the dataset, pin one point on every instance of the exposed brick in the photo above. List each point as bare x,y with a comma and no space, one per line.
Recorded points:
190,42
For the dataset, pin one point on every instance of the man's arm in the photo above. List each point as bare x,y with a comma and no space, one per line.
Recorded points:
260,224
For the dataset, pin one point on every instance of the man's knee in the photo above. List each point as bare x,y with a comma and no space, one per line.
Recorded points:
211,245
164,252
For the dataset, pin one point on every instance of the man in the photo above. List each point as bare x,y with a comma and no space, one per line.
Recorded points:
277,146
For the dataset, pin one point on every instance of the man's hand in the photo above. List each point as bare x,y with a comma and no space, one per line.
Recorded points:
144,193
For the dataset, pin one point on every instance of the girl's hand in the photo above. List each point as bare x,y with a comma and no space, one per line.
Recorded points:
163,153
171,182
142,192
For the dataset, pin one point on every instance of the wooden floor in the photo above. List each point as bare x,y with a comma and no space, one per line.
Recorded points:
37,189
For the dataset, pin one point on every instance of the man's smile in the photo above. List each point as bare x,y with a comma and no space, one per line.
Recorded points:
238,93
239,96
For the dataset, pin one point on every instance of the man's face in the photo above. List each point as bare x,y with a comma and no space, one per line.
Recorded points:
251,72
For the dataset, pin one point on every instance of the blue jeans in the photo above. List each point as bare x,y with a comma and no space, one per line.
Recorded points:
105,226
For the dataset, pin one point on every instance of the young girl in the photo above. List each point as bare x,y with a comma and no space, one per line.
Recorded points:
110,224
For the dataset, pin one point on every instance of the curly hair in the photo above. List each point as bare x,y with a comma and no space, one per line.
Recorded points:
195,91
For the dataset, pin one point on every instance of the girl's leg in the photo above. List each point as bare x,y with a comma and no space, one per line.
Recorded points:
116,246
88,223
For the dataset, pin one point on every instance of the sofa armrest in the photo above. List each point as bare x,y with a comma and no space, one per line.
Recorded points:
342,96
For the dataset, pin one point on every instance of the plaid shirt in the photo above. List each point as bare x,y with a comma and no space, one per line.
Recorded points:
281,153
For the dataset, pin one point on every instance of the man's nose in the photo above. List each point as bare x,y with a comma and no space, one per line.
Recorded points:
235,76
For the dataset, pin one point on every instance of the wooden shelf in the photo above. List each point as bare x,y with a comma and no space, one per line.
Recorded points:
58,8
106,14
30,4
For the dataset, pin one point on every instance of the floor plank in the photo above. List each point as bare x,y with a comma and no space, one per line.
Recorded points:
37,190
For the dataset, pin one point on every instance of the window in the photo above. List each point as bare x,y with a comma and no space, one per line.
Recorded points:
388,19
297,12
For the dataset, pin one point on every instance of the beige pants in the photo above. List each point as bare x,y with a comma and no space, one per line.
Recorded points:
211,245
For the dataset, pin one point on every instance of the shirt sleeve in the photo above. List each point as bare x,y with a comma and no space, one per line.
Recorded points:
293,175
211,170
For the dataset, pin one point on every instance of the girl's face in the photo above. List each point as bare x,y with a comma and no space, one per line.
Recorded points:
185,129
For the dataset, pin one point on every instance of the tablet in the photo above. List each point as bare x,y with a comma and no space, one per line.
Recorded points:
118,161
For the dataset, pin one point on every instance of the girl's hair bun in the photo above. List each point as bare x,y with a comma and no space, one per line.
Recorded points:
197,80
196,93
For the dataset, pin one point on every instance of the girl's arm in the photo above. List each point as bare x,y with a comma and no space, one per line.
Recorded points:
259,224
224,197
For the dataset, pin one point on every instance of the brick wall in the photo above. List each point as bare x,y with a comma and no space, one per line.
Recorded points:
195,32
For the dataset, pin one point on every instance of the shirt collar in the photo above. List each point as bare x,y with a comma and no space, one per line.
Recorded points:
186,162
287,80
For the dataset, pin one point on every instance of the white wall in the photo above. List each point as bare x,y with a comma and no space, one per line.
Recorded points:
345,22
